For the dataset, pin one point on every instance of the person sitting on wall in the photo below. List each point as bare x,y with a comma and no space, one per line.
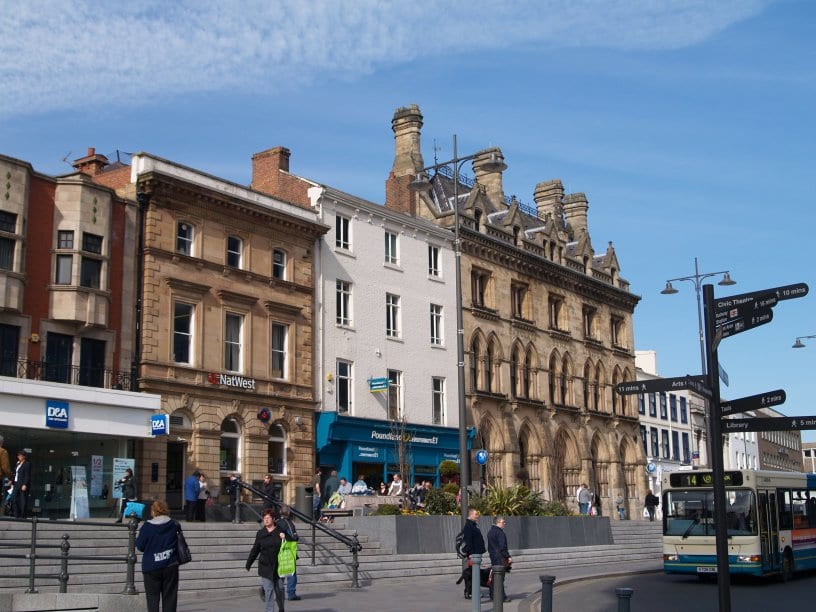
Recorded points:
345,487
360,487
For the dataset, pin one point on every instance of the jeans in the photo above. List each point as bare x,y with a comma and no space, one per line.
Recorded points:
622,512
583,507
189,509
291,585
272,593
162,585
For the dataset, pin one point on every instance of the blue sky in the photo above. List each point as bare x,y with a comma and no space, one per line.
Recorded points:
688,124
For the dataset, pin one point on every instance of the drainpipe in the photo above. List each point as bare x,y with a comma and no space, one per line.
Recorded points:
143,199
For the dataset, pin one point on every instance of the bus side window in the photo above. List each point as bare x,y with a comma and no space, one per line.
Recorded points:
785,510
811,509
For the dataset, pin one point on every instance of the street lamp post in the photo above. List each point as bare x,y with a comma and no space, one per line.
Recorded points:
423,183
697,280
799,343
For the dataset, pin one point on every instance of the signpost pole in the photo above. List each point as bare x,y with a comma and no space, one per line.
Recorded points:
716,445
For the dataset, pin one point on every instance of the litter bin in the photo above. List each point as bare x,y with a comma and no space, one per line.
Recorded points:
303,499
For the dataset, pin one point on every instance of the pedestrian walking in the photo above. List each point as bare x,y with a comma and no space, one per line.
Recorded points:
473,544
584,497
266,548
128,485
5,473
499,554
191,489
158,542
287,524
620,506
652,501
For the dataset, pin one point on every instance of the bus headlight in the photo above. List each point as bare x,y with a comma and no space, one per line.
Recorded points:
671,557
748,558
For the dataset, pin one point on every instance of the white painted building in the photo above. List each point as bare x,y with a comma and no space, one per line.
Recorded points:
386,312
672,425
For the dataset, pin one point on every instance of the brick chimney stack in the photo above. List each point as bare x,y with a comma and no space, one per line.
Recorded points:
548,197
575,210
407,126
490,180
92,164
270,175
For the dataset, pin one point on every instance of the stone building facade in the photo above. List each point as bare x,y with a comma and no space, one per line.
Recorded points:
778,450
67,397
227,327
547,327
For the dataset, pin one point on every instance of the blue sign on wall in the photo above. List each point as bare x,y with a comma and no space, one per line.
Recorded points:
481,457
56,414
160,424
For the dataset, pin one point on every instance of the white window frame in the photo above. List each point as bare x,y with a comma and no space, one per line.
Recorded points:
438,407
395,383
185,238
437,327
392,315
343,291
235,252
279,267
233,343
280,351
342,232
344,377
188,335
434,261
391,252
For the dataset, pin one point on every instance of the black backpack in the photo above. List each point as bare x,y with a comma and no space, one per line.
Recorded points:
461,548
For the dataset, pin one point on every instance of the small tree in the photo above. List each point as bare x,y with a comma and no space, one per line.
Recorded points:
449,470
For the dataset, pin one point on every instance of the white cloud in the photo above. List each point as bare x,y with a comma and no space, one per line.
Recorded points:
74,54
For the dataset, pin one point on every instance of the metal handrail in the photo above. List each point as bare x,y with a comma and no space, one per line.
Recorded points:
352,542
33,546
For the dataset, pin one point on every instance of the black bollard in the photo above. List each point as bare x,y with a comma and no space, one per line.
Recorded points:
624,595
546,592
498,588
63,575
476,582
130,571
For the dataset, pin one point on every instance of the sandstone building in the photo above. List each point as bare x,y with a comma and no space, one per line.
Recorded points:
547,327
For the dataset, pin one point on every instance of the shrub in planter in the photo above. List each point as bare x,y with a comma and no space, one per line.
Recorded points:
440,502
387,510
554,508
451,487
517,500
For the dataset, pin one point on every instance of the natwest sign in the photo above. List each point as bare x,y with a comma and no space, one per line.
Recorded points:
231,380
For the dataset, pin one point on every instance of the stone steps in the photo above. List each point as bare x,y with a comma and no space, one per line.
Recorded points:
220,551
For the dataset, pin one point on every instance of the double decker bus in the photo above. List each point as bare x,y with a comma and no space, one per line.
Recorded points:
770,518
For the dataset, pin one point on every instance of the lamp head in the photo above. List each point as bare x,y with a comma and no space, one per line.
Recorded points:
727,281
798,344
669,289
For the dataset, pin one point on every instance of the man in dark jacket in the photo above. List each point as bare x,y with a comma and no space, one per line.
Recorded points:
266,548
128,484
22,485
651,502
497,546
474,544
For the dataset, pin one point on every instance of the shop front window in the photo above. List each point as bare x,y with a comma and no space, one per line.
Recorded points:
230,455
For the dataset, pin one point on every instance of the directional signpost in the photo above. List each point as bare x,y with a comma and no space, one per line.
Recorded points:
753,402
769,424
726,317
659,384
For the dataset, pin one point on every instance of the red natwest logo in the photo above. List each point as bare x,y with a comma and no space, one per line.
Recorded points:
231,380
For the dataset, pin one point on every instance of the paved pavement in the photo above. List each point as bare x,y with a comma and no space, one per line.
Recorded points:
422,593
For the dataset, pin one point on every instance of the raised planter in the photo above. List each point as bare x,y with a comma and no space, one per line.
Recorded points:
437,534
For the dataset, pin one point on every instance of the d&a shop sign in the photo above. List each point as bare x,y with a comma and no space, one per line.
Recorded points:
56,414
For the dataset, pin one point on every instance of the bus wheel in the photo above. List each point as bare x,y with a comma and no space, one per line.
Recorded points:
787,566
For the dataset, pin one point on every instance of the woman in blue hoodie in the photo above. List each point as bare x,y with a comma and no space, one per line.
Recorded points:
158,540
